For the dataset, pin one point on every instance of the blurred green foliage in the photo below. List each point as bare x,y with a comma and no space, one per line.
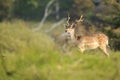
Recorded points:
29,55
29,8
34,9
16,37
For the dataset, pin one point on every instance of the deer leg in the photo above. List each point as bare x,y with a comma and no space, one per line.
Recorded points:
104,49
81,48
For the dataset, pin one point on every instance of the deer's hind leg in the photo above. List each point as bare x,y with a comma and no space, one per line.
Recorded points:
104,49
81,50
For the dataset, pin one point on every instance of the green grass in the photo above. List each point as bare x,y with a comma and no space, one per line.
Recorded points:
34,56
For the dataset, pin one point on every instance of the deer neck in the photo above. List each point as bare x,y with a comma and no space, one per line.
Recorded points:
73,36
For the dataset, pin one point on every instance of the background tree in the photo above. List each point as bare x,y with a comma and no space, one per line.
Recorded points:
29,9
82,7
5,8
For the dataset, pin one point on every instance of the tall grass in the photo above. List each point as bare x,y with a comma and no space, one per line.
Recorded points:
27,55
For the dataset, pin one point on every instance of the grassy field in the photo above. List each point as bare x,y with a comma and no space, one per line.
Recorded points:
28,55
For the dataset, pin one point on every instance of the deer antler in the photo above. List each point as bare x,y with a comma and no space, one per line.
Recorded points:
80,20
68,19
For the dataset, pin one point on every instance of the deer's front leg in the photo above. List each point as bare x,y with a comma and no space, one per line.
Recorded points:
81,48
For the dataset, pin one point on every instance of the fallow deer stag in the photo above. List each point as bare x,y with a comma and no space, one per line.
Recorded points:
98,40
